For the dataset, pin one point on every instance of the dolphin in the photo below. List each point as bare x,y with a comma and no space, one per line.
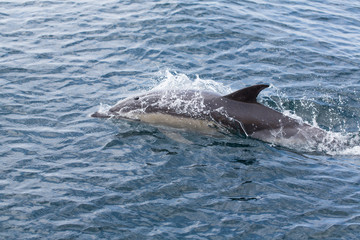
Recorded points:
207,112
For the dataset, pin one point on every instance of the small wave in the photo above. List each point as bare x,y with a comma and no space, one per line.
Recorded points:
350,144
351,151
337,143
104,108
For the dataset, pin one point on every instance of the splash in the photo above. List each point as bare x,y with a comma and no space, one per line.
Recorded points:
103,109
179,81
324,112
332,143
349,144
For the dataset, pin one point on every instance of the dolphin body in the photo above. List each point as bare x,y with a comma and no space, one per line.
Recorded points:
206,112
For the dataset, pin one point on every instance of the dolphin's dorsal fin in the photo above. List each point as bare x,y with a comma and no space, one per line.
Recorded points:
248,94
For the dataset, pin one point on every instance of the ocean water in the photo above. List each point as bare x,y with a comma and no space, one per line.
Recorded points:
65,175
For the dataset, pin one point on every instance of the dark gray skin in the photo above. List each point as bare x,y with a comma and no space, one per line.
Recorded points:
239,112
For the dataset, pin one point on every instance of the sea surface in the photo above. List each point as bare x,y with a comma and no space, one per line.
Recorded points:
65,175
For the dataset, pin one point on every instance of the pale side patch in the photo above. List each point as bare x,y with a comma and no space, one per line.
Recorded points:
197,125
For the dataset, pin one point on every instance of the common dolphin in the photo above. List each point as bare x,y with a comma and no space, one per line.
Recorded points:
238,112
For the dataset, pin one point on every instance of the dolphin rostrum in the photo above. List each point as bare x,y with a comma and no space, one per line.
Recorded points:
238,112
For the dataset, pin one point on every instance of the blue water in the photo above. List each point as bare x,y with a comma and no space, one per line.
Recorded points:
65,175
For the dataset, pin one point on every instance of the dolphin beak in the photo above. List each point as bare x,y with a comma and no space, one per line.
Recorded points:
100,115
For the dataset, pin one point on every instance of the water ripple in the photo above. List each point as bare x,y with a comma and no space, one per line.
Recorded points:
66,175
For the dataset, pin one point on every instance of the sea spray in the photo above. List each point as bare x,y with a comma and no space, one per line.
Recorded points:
180,81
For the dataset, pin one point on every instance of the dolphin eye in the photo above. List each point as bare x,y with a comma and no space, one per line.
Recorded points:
136,98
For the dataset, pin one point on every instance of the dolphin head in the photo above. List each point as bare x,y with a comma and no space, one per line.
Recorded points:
129,107
187,103
135,104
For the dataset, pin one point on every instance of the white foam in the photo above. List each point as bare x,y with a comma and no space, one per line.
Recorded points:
179,81
351,151
104,108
